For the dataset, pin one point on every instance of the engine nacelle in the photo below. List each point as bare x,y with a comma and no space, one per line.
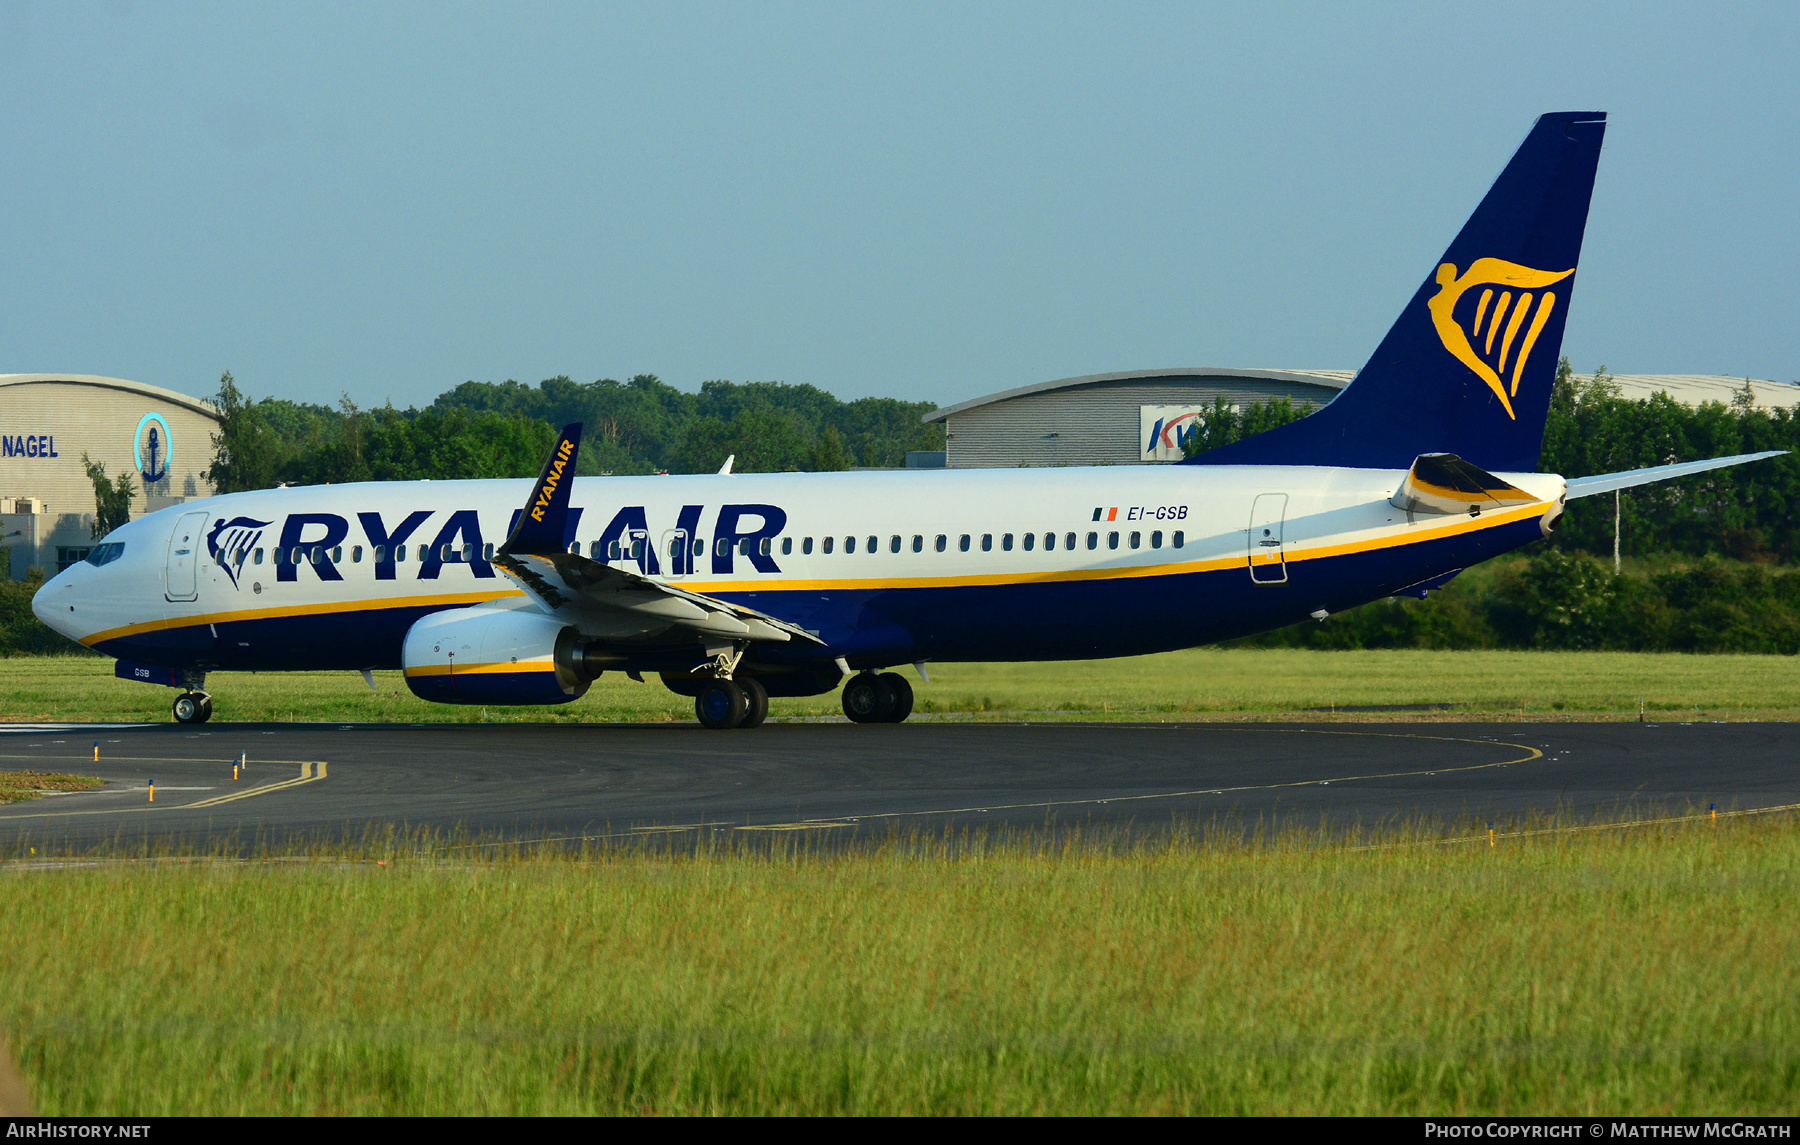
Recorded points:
493,656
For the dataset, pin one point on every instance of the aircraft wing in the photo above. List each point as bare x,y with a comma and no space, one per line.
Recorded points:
606,602
1607,482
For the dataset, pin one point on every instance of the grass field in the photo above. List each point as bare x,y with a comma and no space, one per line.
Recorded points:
1199,684
17,786
1647,970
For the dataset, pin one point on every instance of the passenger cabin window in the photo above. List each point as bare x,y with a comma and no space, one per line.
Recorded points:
1093,540
1069,541
987,542
766,543
787,546
849,544
963,544
469,552
826,544
943,542
1006,543
1030,540
258,558
1137,540
806,547
1156,539
1049,541
337,554
1112,540
399,554
918,543
487,550
380,554
1176,539
874,545
894,543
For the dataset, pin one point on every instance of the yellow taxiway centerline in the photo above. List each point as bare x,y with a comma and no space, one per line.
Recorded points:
311,771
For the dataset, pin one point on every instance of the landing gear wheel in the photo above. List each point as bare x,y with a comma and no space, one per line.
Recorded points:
869,699
721,704
903,696
192,708
756,702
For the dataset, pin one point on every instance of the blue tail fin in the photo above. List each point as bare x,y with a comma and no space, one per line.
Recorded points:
1467,368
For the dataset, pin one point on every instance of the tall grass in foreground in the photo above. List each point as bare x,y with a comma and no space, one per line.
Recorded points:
1648,970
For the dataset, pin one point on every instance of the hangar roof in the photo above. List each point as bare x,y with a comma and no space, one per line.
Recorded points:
170,396
1689,389
1335,379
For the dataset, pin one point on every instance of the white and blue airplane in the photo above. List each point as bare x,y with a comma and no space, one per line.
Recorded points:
735,588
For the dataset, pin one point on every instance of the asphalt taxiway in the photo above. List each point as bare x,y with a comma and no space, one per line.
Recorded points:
569,781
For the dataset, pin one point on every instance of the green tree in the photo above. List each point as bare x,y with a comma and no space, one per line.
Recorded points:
245,452
828,453
112,498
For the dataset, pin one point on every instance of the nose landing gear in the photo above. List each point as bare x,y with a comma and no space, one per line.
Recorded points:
192,708
873,699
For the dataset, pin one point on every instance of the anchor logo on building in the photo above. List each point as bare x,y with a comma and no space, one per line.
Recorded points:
153,451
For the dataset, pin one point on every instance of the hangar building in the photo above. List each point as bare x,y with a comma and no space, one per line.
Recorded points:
1134,418
47,421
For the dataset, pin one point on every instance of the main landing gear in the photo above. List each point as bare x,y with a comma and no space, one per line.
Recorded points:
192,708
883,699
724,704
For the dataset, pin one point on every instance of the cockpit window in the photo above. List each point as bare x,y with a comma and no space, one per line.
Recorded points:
106,554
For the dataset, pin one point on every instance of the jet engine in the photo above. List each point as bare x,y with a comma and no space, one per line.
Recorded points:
495,656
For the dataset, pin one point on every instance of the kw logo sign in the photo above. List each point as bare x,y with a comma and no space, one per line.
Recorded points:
1485,334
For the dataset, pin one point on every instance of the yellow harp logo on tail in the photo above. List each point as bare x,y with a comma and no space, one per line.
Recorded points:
1495,322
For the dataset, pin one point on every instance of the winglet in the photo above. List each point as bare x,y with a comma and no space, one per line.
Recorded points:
540,528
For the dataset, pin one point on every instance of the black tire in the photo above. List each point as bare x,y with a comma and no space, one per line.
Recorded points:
205,707
903,697
756,702
720,705
868,699
190,708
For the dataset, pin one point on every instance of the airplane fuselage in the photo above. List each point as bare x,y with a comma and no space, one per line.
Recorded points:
883,567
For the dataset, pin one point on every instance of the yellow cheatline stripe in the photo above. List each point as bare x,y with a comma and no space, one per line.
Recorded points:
541,664
1531,753
1454,527
366,605
308,774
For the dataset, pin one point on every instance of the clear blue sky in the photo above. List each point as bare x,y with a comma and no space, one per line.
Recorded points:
932,201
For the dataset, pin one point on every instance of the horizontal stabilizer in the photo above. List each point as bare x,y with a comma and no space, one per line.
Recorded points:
1445,483
1607,482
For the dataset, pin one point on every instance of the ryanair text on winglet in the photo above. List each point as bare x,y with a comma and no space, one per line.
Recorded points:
548,488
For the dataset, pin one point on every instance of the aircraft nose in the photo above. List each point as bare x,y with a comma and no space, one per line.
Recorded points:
51,602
